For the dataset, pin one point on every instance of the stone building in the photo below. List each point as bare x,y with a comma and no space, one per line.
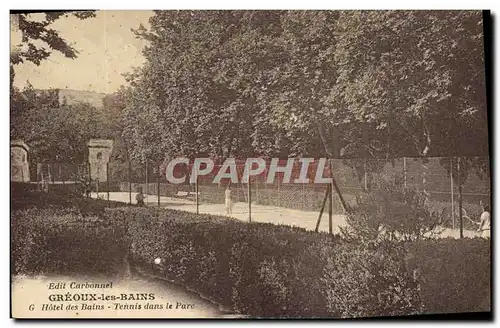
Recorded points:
19,167
100,151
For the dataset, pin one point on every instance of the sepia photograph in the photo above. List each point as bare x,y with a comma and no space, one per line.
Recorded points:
251,164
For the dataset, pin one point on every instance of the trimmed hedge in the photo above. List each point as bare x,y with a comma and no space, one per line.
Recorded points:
61,241
277,271
455,274
258,269
24,199
64,234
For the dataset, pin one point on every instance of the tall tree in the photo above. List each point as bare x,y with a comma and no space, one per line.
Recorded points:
200,81
34,31
309,83
418,76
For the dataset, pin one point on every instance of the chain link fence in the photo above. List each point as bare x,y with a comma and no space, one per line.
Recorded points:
279,202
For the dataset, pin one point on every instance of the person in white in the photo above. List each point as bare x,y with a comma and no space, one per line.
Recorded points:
485,223
228,202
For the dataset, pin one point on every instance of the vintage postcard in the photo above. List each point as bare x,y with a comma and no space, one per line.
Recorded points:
243,164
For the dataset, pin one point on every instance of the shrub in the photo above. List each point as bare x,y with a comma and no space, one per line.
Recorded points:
63,242
368,282
266,270
454,274
390,211
258,269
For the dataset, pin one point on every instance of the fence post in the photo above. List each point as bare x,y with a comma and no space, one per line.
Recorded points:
60,174
337,189
129,182
459,178
50,173
249,200
303,196
75,178
330,210
327,195
424,177
452,194
158,185
42,177
256,189
38,170
279,191
147,183
90,180
107,179
197,191
404,172
365,175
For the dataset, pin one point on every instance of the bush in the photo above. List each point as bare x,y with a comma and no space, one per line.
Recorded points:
390,212
263,269
258,269
24,199
50,241
364,282
454,274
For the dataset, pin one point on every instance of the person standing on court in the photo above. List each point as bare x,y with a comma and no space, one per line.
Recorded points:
485,223
228,201
140,198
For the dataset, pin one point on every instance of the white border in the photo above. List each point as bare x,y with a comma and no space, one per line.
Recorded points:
188,4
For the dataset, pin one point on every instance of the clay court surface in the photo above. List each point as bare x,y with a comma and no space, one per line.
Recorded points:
260,213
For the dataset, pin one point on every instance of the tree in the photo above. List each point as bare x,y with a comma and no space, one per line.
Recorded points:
196,94
343,84
37,41
61,133
37,30
417,76
292,101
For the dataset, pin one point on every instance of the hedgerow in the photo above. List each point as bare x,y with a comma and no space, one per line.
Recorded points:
62,241
258,269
